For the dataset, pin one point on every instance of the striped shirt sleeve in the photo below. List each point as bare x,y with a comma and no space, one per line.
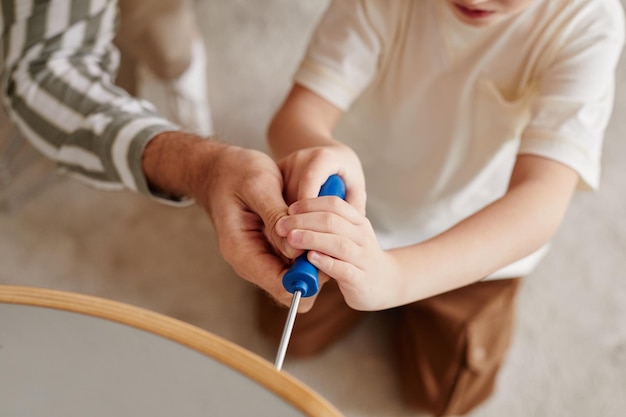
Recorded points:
58,64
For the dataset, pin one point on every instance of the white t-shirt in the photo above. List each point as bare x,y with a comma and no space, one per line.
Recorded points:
437,110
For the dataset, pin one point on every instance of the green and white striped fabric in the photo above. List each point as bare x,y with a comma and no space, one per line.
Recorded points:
57,68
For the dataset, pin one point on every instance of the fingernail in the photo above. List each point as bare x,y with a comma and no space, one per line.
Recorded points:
281,229
295,236
314,256
293,209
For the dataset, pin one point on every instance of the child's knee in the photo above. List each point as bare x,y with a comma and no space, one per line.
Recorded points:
449,363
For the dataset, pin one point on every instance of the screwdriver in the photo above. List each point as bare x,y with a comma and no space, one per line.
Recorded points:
301,279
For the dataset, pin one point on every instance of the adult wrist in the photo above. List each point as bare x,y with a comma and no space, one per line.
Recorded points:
178,163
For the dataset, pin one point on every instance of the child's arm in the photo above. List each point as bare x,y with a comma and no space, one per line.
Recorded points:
517,224
300,137
342,243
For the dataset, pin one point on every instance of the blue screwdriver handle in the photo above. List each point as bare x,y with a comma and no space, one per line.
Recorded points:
302,276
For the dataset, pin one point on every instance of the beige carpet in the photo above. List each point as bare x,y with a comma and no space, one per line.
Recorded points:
569,353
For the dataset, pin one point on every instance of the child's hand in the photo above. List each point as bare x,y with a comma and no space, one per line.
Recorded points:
342,244
304,172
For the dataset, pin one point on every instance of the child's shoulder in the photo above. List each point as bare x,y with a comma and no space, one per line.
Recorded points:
588,19
584,11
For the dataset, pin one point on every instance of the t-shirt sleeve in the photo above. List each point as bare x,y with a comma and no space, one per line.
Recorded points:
342,55
575,101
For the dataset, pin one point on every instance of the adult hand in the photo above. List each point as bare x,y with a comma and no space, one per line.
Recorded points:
241,190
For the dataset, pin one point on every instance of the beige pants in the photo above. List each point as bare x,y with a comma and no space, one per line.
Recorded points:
447,349
156,33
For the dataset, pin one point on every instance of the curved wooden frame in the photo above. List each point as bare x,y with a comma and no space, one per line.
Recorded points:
225,352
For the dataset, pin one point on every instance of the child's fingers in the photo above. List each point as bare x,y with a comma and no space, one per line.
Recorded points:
327,204
326,224
356,199
338,245
348,276
320,231
312,180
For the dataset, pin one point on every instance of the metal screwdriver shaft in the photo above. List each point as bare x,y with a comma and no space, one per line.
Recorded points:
301,279
291,319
